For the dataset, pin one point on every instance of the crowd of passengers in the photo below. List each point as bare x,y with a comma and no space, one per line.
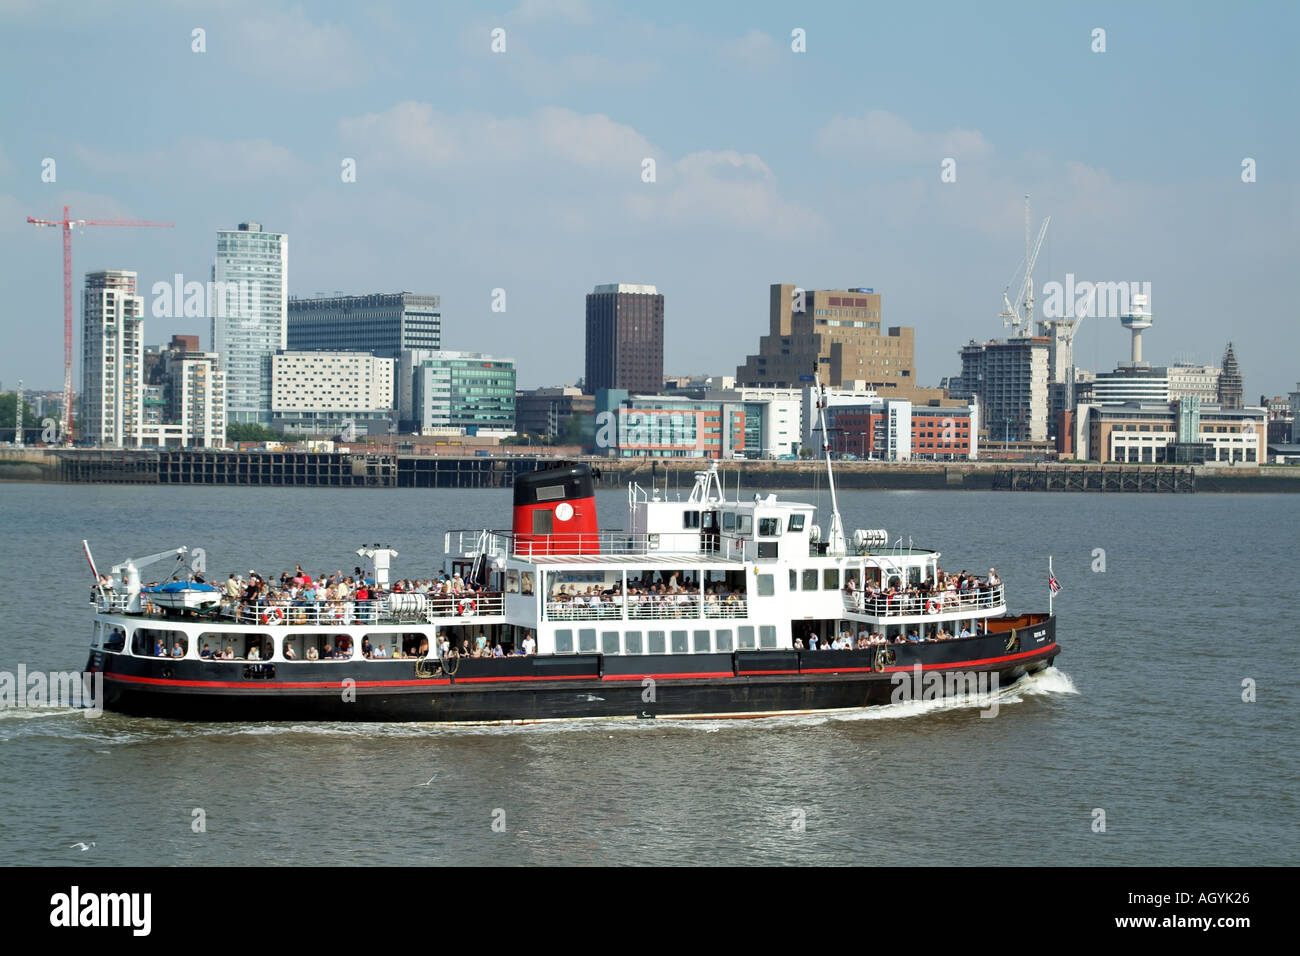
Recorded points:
648,592
931,594
331,597
864,641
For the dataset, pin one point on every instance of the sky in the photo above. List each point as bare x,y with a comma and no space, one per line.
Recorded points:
524,169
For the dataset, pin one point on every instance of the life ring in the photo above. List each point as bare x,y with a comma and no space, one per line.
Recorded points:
931,607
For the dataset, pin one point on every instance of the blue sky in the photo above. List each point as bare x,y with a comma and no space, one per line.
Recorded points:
522,170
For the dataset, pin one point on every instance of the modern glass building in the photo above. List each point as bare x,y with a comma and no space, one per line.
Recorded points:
249,311
469,391
383,323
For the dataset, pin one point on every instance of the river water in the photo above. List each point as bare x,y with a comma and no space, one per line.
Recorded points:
1171,606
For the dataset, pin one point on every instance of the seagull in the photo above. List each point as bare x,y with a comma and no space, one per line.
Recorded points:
430,780
82,846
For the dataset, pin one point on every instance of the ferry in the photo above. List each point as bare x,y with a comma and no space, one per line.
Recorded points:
706,607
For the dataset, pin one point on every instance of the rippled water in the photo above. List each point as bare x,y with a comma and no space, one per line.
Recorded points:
1142,718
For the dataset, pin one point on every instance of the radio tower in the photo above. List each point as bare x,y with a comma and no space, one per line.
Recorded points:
66,224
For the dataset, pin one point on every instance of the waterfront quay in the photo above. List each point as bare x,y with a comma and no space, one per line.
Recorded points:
357,469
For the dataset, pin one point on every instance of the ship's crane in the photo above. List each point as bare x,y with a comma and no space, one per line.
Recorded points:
66,224
1012,314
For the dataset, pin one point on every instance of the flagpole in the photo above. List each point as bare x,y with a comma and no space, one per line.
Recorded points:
1051,593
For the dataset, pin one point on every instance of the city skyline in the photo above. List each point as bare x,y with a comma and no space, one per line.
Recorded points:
522,171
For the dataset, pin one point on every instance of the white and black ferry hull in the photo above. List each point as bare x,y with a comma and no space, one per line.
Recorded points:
564,687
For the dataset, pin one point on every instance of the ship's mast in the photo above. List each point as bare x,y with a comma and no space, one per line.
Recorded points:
835,544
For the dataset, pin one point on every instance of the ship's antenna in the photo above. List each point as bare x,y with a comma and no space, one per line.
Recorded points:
835,540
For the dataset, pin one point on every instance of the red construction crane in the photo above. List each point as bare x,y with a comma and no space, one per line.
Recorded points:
66,224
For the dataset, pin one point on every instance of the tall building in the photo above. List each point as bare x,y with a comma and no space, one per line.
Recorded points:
625,338
185,394
468,392
1158,432
1187,380
1010,380
833,336
112,360
1231,387
332,392
249,321
383,323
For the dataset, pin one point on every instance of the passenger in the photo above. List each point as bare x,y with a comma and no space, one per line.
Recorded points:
798,644
254,653
312,653
329,652
497,652
289,655
228,654
177,650
530,646
206,653
366,650
159,650
965,631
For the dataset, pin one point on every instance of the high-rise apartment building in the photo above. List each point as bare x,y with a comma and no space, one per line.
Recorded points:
836,337
625,339
249,320
383,323
112,360
185,394
1010,380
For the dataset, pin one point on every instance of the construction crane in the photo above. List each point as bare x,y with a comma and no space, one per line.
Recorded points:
1011,313
66,224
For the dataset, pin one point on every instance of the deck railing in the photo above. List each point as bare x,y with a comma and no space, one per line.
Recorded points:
408,607
945,602
692,607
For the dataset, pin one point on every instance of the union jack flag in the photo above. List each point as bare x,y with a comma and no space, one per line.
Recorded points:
1053,584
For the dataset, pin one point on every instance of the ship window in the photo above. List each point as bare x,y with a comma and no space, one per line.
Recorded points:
145,641
746,635
724,640
564,642
810,579
768,549
769,527
766,584
550,493
512,582
116,639
543,522
526,582
680,644
796,522
729,521
586,639
794,580
767,635
632,642
702,642
609,642
831,579
744,524
690,519
657,642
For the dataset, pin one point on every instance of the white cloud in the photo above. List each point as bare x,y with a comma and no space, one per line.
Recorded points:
754,48
301,54
885,137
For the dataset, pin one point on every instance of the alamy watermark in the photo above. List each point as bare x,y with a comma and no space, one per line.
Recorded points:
1077,299
83,690
916,685
179,299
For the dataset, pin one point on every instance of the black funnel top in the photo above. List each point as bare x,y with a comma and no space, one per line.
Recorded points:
563,483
